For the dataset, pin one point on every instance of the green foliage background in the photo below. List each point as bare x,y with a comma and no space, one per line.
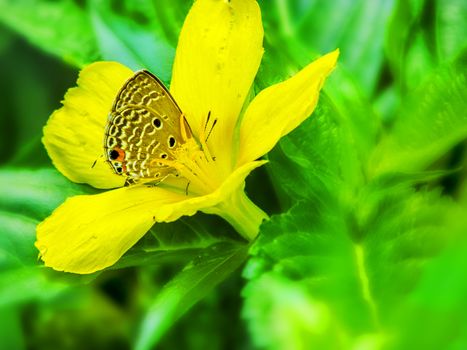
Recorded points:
366,247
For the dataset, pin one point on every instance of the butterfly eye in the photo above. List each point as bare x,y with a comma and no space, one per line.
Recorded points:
163,155
157,123
171,141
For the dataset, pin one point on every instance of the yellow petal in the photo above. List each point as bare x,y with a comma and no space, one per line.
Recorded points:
74,134
218,55
280,108
208,203
90,232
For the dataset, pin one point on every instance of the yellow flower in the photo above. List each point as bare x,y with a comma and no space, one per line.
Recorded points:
218,55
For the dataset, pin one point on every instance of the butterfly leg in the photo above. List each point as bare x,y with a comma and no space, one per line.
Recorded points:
94,164
131,181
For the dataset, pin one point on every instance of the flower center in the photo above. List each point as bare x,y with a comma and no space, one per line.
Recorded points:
195,163
198,166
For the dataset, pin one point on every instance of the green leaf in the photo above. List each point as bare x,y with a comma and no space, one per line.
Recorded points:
282,315
35,193
11,332
24,284
320,28
353,113
352,274
61,28
451,28
328,153
17,240
353,248
28,196
312,265
129,37
178,241
6,40
434,315
432,121
410,42
194,282
169,18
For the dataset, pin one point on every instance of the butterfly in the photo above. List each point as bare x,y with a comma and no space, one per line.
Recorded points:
144,128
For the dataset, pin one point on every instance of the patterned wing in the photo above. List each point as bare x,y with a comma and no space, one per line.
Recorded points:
143,126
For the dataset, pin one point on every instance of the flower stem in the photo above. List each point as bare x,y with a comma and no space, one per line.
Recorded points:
242,214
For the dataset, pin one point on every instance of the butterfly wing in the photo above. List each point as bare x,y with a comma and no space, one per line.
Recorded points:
143,126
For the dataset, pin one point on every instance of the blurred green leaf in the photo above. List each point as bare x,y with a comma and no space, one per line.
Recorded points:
81,318
32,88
6,40
196,280
282,315
26,284
432,121
316,251
400,31
423,34
451,27
168,19
128,37
11,332
28,196
353,277
61,28
35,193
320,28
434,315
17,240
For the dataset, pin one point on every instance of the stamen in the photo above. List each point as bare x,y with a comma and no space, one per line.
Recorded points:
198,165
192,159
207,121
212,127
203,138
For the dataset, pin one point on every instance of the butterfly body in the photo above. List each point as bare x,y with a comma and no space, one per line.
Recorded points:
144,129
